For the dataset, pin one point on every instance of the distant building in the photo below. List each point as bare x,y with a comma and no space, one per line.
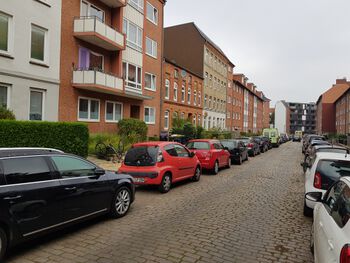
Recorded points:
282,116
302,117
342,113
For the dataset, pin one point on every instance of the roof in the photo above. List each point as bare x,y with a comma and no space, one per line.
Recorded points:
334,93
333,156
329,146
155,143
11,152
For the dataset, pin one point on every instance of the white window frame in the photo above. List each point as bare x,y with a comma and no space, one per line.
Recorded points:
176,90
43,103
195,98
138,6
154,20
167,89
114,104
46,45
89,109
127,78
144,115
89,9
8,93
10,39
139,32
153,81
183,94
154,48
166,120
189,95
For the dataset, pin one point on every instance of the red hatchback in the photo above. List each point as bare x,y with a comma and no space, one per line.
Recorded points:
211,154
160,163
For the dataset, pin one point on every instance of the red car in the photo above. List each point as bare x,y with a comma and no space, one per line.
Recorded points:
211,154
160,163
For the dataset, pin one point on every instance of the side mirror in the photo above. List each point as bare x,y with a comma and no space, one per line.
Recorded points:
314,196
99,172
192,154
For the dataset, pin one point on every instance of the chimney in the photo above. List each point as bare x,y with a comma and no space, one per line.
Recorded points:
342,81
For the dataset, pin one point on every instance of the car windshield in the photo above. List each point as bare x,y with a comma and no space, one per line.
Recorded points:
141,156
229,144
332,170
273,134
198,146
266,134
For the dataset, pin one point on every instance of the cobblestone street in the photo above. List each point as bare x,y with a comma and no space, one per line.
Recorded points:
249,213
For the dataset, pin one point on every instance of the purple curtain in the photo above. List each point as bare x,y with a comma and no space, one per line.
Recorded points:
84,58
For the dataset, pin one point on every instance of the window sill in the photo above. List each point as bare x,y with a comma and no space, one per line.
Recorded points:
40,64
107,121
150,123
5,55
43,2
151,56
154,23
153,90
85,120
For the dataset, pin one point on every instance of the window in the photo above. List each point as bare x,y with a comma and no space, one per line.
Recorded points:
167,89
90,10
132,76
205,100
89,60
150,82
73,167
89,109
176,73
183,94
114,111
5,33
189,95
228,115
152,13
195,97
36,105
150,115
182,115
151,47
38,43
175,91
133,34
199,120
199,98
138,4
166,120
194,120
26,170
170,149
181,151
4,96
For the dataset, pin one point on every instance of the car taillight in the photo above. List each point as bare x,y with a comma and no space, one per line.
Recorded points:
250,145
160,157
317,180
345,254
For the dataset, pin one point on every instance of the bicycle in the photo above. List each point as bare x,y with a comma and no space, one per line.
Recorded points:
108,152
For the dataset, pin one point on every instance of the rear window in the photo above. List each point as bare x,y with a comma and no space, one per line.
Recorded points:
229,144
344,151
332,170
273,134
198,146
141,156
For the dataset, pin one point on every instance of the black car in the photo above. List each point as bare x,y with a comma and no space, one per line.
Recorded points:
237,150
262,143
45,189
267,142
253,147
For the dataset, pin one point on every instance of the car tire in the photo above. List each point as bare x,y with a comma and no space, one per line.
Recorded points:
308,212
312,241
229,163
197,174
240,161
247,157
165,184
215,170
3,243
121,202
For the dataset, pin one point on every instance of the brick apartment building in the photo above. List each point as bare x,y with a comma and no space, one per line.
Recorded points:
111,62
266,112
181,96
326,107
203,57
342,113
234,120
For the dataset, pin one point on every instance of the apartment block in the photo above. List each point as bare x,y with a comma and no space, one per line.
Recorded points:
302,117
266,112
29,58
326,107
189,47
342,113
111,62
235,105
181,96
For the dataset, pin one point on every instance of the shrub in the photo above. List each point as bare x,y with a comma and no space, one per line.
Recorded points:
6,114
133,130
106,138
68,137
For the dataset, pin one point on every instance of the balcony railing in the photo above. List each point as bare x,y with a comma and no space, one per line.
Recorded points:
114,3
91,29
96,80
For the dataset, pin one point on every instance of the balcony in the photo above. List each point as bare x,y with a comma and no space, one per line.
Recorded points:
114,3
93,30
98,81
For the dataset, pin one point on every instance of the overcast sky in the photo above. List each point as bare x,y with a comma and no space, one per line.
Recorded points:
291,49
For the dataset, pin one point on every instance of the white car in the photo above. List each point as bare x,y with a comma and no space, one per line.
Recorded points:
322,171
330,233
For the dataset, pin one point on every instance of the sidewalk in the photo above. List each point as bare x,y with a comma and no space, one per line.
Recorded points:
107,165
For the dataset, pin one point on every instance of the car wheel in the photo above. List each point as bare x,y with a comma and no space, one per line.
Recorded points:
216,168
307,210
3,243
197,175
228,166
121,202
312,241
240,161
165,185
247,157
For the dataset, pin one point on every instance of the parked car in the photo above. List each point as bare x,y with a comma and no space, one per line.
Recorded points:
284,138
161,164
322,171
330,232
253,146
263,144
297,136
211,154
314,143
45,189
310,137
267,142
237,150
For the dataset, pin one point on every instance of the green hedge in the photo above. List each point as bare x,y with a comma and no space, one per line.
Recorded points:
68,137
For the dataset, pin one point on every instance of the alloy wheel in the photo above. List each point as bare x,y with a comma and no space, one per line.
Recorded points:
122,202
166,182
216,167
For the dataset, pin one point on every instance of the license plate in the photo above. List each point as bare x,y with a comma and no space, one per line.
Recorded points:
139,180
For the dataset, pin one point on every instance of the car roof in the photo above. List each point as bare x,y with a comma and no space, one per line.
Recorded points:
328,146
333,156
204,140
155,143
25,151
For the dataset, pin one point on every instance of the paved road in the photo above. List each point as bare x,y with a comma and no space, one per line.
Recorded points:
250,213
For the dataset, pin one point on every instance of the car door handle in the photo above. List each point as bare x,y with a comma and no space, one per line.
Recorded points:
70,188
12,197
330,244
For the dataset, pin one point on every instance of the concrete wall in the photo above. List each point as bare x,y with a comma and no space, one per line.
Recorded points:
281,117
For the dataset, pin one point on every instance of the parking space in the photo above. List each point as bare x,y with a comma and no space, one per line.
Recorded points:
249,213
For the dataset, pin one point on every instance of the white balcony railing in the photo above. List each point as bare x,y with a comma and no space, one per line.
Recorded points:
97,79
104,35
